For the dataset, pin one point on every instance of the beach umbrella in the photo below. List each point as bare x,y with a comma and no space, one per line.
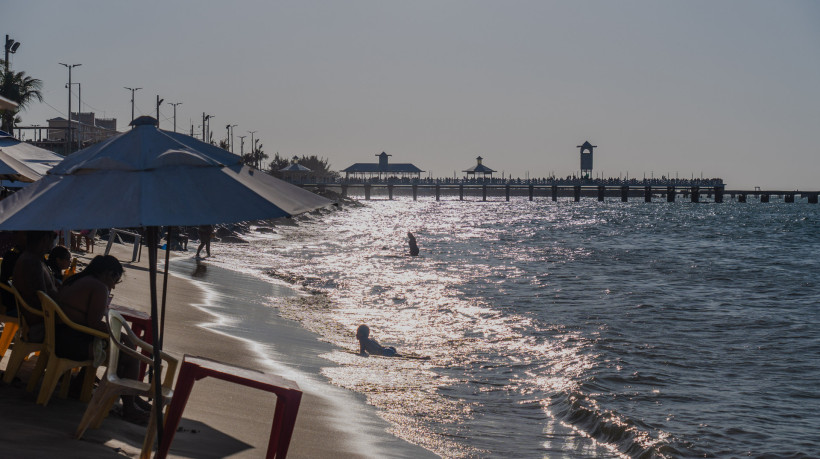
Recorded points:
148,178
24,162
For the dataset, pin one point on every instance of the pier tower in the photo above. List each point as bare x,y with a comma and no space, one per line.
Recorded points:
586,159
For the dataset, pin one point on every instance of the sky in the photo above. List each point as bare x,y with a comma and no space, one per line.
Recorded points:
726,88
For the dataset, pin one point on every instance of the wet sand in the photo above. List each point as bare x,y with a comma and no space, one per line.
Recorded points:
207,308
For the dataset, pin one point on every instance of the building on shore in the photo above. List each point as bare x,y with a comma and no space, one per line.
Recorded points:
382,169
479,169
88,129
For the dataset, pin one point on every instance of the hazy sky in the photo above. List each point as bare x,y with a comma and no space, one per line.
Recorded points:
719,88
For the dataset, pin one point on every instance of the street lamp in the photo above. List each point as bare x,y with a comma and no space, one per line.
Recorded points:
206,127
159,102
230,128
253,145
133,90
70,132
79,113
11,48
241,145
175,113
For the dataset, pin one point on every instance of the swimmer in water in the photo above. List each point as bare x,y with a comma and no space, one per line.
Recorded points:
414,248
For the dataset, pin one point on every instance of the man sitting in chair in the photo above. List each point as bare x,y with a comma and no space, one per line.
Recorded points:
30,275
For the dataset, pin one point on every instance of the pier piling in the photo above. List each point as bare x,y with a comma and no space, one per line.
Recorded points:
789,197
438,192
367,192
507,192
670,194
812,199
576,193
532,191
390,191
415,192
695,194
484,192
764,197
460,191
647,194
624,194
554,193
601,192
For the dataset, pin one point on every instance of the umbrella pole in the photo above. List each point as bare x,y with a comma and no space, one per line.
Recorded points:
164,287
152,237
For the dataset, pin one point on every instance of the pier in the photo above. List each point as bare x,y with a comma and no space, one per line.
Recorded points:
647,190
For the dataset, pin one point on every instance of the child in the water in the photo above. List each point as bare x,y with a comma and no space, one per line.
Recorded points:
371,346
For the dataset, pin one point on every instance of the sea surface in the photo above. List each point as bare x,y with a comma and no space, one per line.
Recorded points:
565,329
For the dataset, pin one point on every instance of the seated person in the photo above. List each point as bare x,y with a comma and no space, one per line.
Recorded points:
371,346
9,303
84,298
30,275
59,259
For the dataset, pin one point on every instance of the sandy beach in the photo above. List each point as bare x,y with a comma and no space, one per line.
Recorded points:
220,419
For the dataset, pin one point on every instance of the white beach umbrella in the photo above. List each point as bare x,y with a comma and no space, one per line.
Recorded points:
24,162
146,178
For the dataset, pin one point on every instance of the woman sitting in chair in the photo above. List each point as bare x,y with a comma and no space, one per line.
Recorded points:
59,259
84,298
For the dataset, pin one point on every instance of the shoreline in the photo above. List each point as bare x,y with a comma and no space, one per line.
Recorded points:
282,346
220,419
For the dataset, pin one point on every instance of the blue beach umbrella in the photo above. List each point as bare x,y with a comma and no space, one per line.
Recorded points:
148,178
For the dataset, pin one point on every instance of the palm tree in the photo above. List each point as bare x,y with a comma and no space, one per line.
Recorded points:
20,88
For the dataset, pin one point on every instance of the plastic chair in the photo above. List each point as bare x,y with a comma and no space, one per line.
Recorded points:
10,327
288,397
112,386
58,366
23,348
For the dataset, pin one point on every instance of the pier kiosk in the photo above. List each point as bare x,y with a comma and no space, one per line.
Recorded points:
586,159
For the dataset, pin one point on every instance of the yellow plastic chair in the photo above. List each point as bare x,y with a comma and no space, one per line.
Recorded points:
59,366
10,327
23,348
112,386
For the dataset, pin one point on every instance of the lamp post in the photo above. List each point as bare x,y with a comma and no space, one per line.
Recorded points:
79,113
175,113
230,140
256,157
11,48
206,127
133,90
253,145
241,145
70,132
159,102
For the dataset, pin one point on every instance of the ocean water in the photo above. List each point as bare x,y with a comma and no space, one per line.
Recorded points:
566,329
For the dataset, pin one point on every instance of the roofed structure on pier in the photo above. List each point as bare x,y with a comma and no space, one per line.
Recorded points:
479,169
382,169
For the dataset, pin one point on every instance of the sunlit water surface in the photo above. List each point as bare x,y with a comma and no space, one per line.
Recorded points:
582,329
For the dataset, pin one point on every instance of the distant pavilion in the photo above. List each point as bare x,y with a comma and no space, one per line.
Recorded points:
382,169
294,170
479,169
